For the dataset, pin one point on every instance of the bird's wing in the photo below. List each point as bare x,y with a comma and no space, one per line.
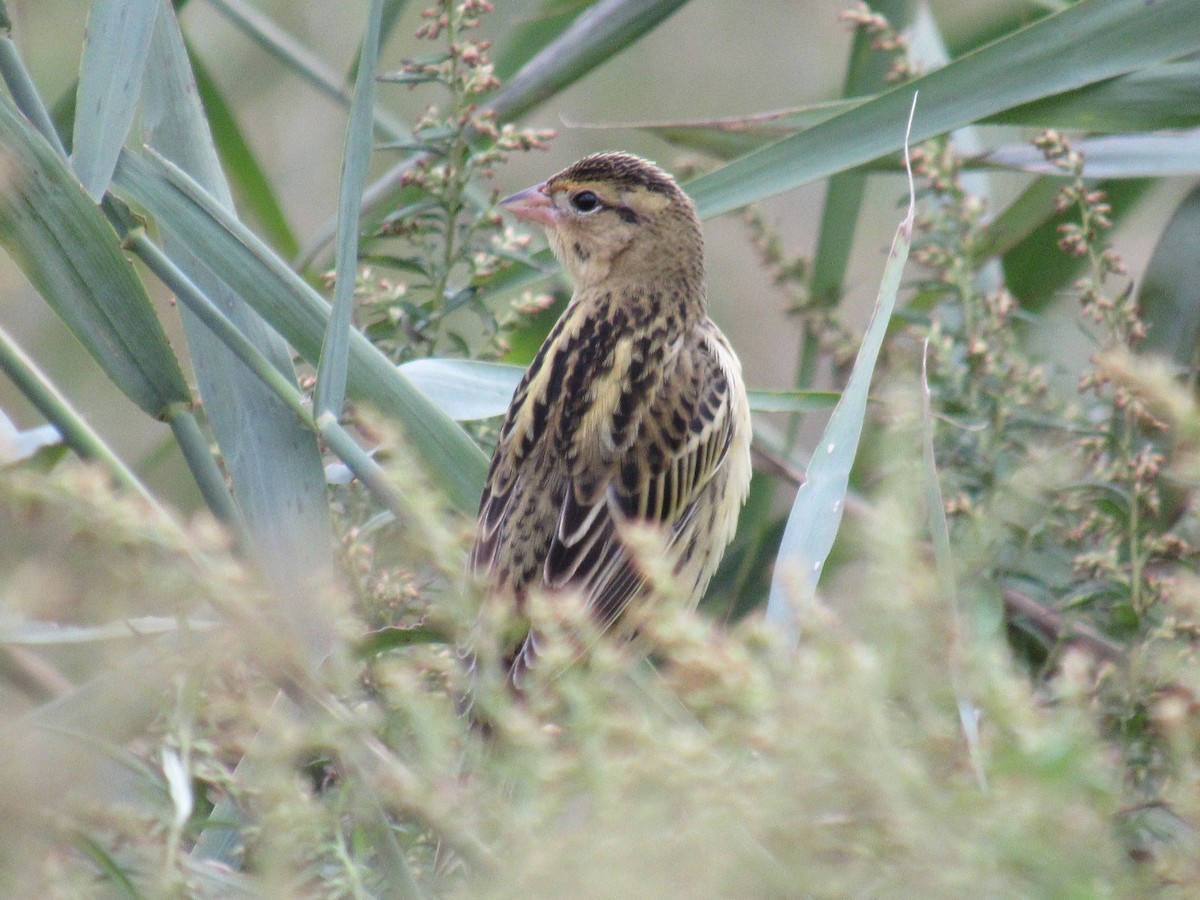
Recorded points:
525,427
651,446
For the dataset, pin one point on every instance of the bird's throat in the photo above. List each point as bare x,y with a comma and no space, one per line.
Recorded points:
662,308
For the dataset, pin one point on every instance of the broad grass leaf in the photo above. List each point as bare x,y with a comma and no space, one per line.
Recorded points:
465,389
817,510
1169,297
1115,156
1077,46
275,466
137,628
469,389
330,392
1157,97
1163,96
115,46
71,254
537,26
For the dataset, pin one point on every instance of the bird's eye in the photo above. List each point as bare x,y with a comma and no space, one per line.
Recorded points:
585,201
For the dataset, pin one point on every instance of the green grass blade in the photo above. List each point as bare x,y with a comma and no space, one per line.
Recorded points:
465,389
36,633
75,430
470,389
928,47
115,46
300,315
797,401
280,385
1167,298
1158,97
275,465
112,870
24,92
197,452
939,532
388,19
817,510
114,706
865,72
331,371
539,25
71,254
1082,44
206,311
78,735
728,137
1116,156
599,33
1033,206
382,193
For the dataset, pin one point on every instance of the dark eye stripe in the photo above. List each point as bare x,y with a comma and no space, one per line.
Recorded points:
586,201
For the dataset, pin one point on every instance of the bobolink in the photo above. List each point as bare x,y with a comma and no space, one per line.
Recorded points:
634,409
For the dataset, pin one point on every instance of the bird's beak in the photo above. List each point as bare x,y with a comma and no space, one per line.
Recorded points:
533,205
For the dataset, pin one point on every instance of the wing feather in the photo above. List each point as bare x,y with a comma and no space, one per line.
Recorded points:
681,431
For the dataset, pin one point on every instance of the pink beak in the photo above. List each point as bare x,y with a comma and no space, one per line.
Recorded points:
533,205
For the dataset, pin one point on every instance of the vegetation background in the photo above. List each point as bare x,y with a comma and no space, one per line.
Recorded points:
228,639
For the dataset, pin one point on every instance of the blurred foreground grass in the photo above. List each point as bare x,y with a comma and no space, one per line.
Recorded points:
731,768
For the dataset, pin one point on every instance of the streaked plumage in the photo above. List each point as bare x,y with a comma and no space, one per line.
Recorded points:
633,410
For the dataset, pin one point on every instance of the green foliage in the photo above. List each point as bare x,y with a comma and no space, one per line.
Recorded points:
449,240
995,687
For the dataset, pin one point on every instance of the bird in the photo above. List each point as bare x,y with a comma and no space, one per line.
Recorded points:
633,411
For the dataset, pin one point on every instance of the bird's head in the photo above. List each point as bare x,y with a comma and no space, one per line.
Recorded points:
615,214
